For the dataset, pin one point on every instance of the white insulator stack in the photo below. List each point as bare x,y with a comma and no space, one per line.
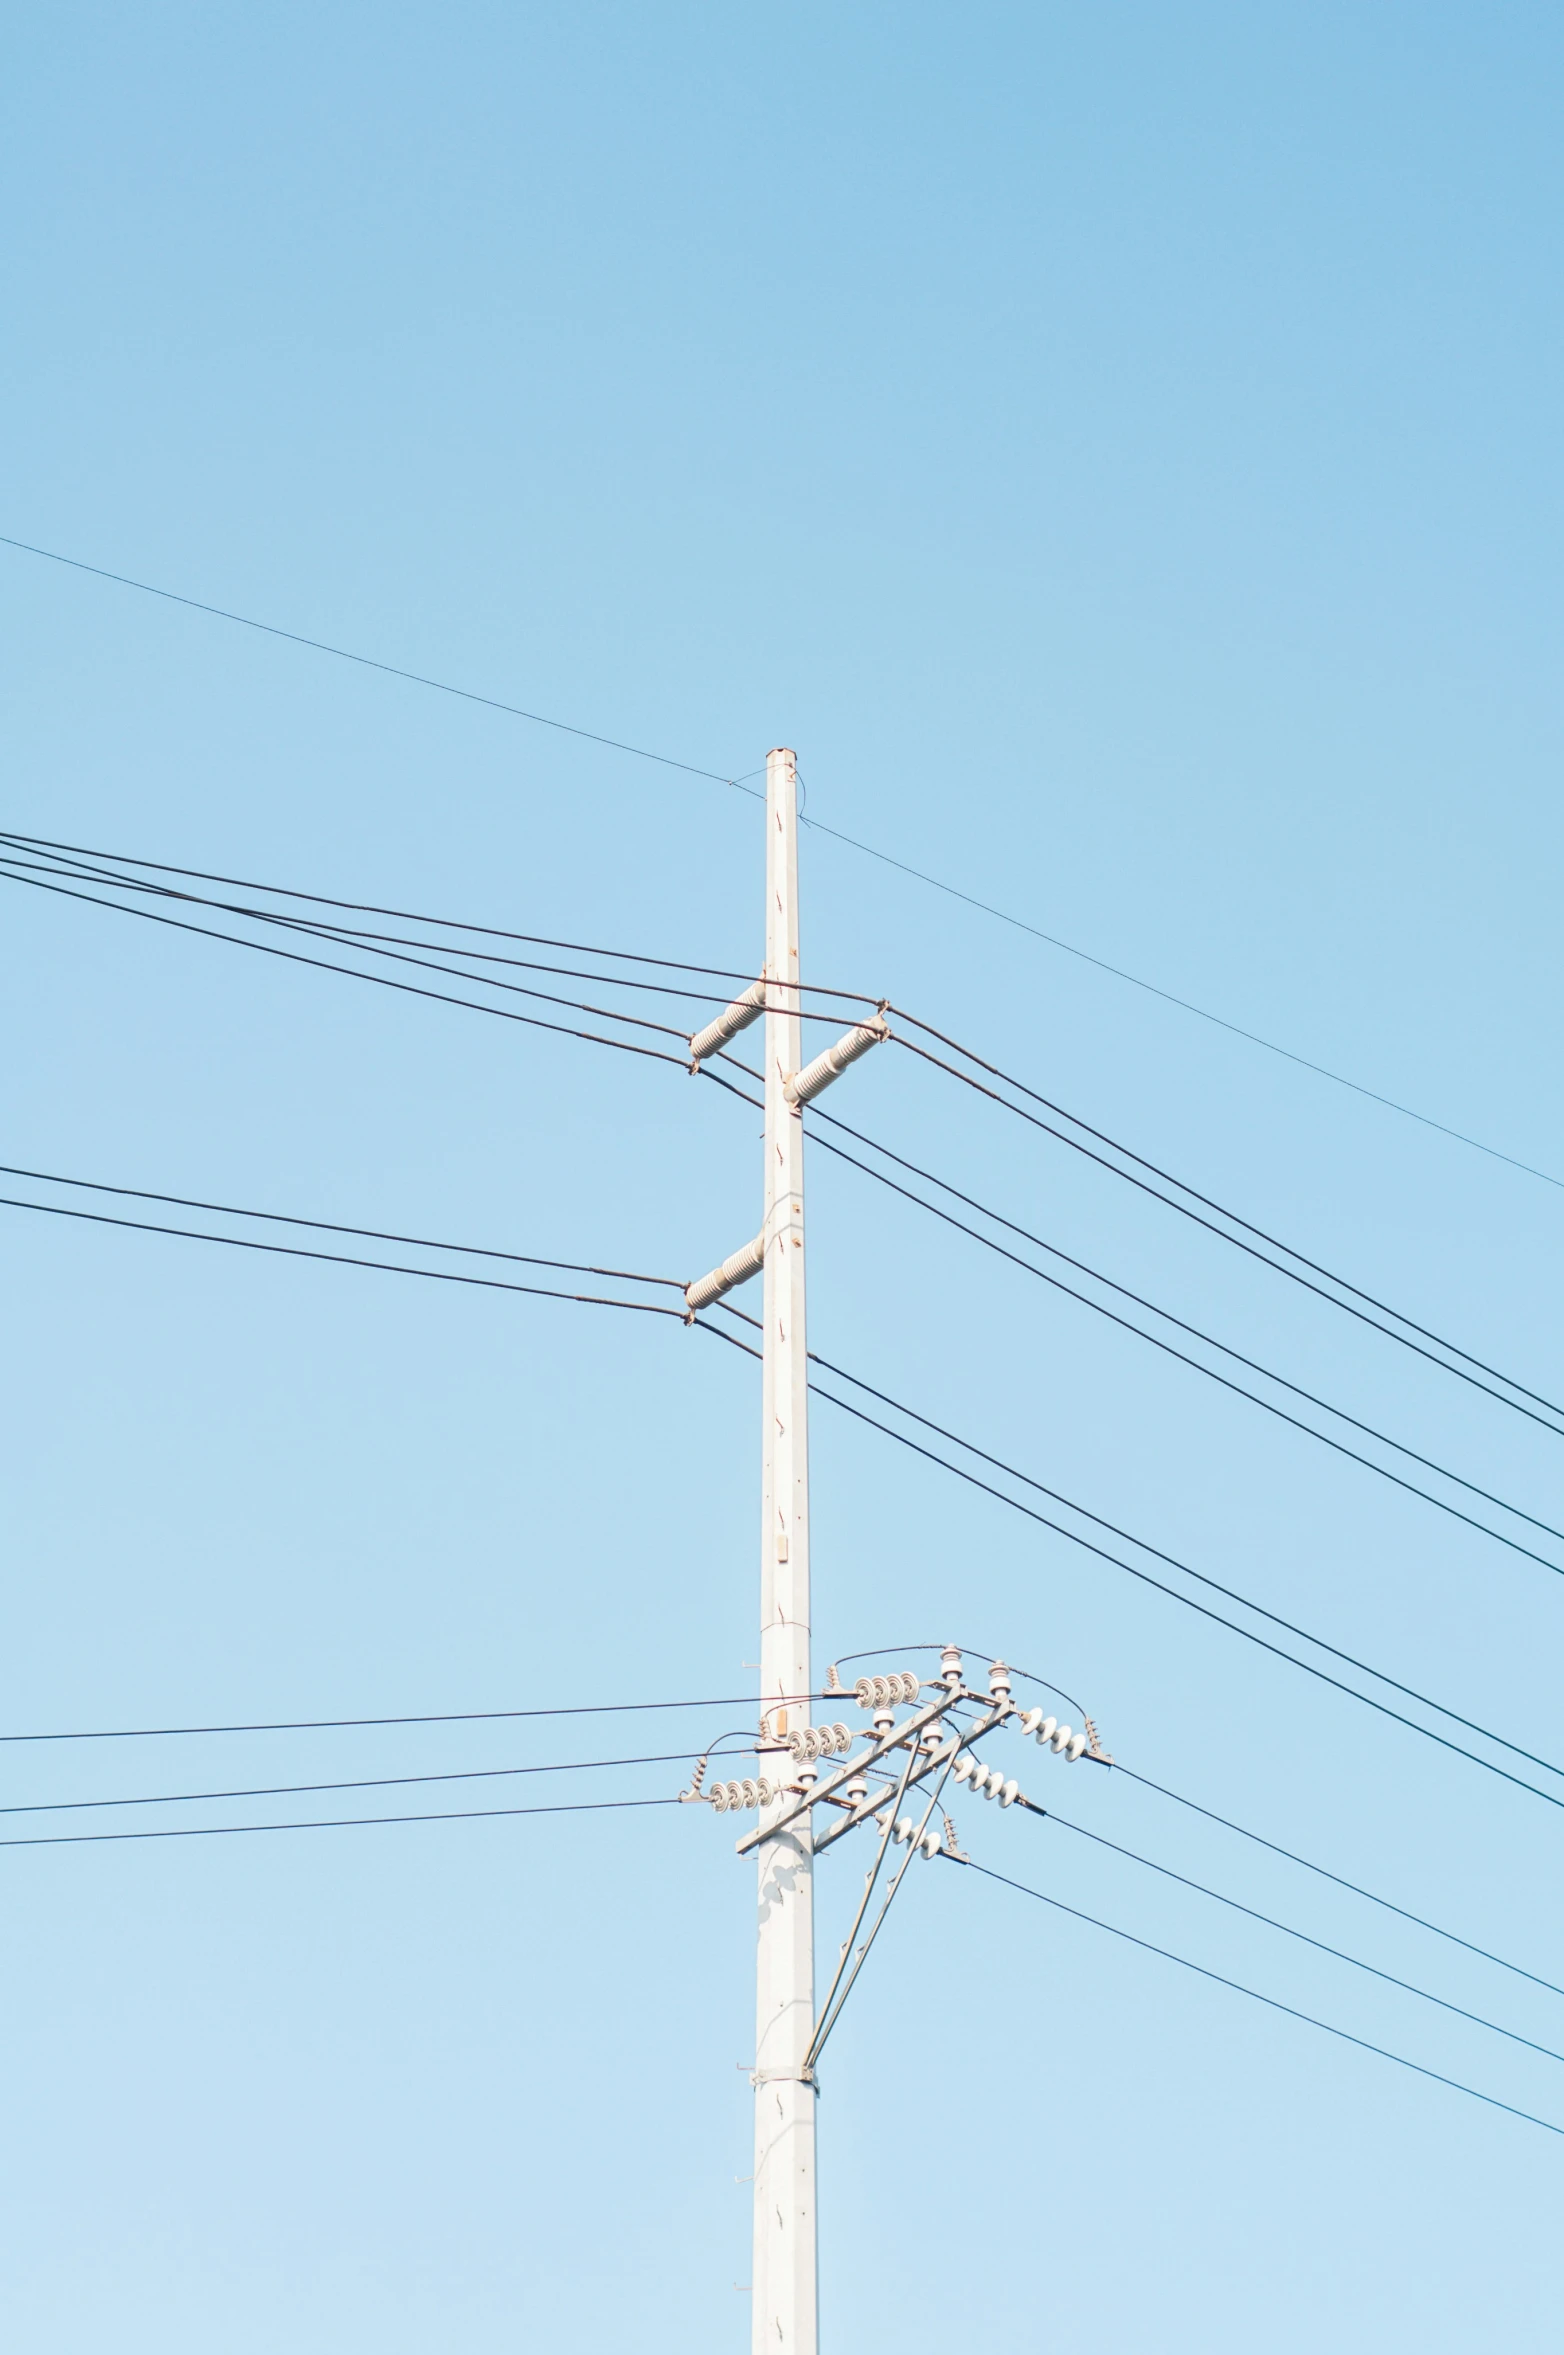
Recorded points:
884,1692
805,1085
820,1741
737,1269
1049,1734
729,1022
986,1782
758,1792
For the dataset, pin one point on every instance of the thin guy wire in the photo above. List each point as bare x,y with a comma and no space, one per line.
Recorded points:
1287,1930
1339,1879
368,662
966,1079
1168,1349
1204,1611
1238,1988
432,1275
336,1823
1187,1005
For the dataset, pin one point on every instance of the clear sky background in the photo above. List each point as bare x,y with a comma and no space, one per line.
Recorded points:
1119,450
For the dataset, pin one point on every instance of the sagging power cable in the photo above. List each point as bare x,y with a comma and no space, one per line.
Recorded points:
1185,1210
1190,1602
1237,1987
1169,1349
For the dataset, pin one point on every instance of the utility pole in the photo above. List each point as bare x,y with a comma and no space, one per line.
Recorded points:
788,2035
785,2303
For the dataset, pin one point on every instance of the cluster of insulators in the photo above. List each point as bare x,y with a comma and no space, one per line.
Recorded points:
820,1741
1050,1733
883,1692
906,1830
988,1782
757,1793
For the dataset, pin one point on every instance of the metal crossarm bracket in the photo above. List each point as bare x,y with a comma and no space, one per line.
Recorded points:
844,1774
922,1769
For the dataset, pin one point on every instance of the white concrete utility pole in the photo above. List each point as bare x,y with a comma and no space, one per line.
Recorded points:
785,2307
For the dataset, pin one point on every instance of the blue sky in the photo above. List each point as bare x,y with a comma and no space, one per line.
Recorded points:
1118,450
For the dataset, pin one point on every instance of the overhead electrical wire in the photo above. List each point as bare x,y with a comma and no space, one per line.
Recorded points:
1183,1208
433,1275
328,1226
318,1725
1211,1373
972,1479
1204,1610
1237,1987
1288,1930
381,980
364,944
39,843
368,662
1356,1888
911,1414
741,784
334,1823
380,1782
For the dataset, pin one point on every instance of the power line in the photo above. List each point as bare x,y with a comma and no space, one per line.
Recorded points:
851,842
318,1725
1157,1342
1157,1553
37,843
433,1275
382,1782
336,1823
1189,1602
381,980
841,1373
1325,1874
966,1079
1287,1930
1215,1585
1238,1988
332,1227
375,947
312,928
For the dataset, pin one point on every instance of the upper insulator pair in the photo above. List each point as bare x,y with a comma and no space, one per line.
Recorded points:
882,1692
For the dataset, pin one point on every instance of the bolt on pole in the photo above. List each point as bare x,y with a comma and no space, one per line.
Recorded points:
785,2313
